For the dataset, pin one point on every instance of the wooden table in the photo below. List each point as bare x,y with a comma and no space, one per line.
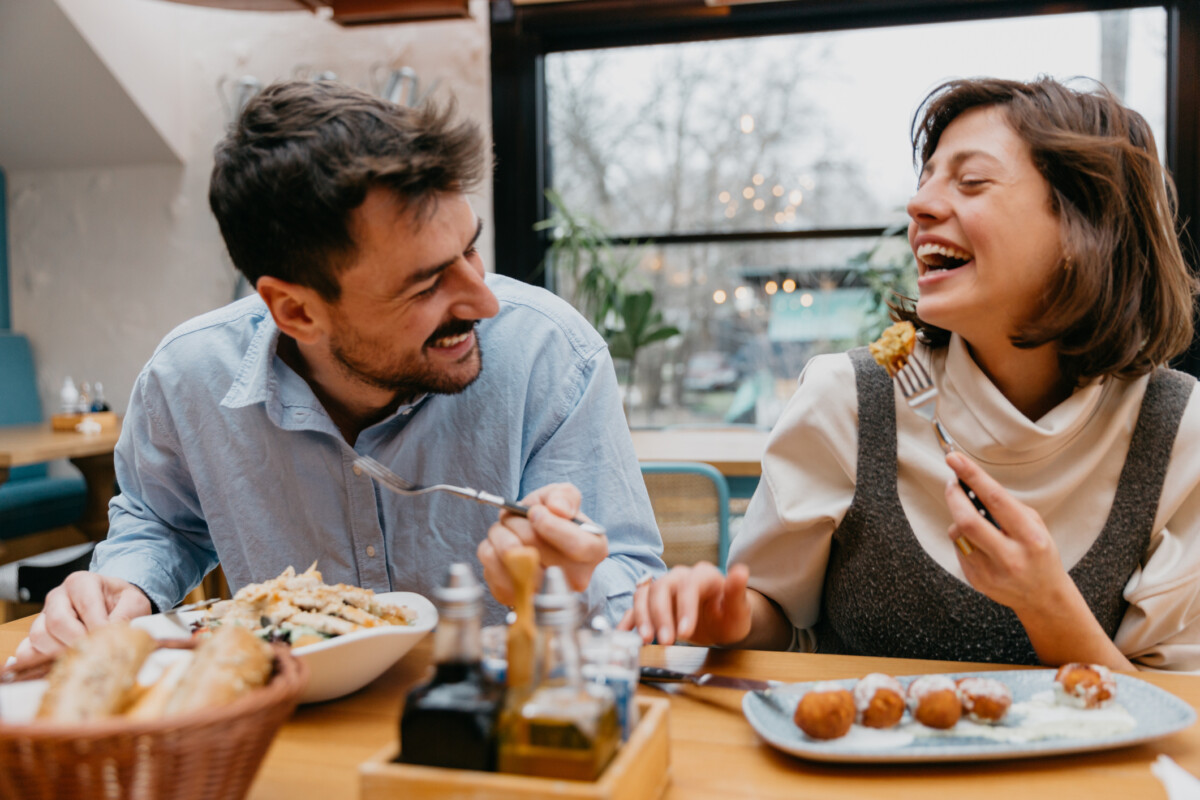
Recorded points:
92,453
714,752
735,452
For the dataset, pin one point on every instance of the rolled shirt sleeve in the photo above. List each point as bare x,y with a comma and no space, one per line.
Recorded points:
1161,627
158,539
589,446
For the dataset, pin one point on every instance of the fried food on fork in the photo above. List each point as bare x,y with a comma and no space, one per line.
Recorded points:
892,349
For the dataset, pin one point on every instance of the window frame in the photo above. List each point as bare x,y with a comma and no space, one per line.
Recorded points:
522,36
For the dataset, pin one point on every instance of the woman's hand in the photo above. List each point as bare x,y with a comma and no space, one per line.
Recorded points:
1018,566
696,604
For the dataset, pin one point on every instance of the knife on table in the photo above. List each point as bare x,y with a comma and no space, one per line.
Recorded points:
663,675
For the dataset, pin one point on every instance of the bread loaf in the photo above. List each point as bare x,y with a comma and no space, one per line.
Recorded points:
97,677
151,703
229,664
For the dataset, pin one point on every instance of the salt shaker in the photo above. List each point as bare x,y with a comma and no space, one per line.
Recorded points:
68,396
611,658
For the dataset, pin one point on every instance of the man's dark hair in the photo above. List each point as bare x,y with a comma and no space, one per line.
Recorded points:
303,155
1122,303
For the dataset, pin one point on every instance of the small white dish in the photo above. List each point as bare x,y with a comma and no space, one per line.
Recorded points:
337,666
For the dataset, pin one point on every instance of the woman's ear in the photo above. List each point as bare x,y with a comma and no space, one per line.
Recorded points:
300,312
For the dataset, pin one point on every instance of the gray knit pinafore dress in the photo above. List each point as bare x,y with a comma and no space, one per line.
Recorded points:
885,596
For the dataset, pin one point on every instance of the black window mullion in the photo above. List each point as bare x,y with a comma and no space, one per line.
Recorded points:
729,237
520,141
1182,144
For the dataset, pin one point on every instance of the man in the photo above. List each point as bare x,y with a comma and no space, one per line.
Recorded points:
374,331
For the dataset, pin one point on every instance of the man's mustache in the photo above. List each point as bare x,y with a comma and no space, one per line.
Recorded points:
452,328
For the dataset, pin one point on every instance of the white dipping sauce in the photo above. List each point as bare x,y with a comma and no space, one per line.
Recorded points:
1039,718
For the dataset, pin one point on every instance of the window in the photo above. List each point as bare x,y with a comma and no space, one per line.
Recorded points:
756,185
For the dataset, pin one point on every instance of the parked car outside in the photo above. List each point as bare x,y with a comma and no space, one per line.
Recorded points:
710,371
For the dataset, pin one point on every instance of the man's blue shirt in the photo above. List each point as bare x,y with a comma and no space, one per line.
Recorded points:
227,452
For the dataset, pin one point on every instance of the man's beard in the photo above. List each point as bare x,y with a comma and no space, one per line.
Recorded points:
409,380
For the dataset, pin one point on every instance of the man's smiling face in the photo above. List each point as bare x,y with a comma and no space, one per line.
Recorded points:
411,297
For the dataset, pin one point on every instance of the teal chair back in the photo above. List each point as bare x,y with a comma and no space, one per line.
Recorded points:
691,506
30,500
19,401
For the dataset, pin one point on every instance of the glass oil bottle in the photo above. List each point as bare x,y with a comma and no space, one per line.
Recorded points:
561,726
451,721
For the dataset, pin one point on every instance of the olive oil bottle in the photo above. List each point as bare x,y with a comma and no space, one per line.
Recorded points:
451,721
560,726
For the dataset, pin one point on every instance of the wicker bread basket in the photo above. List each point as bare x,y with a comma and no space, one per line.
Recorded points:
205,755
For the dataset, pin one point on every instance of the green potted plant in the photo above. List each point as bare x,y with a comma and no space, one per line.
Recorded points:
586,269
595,277
640,324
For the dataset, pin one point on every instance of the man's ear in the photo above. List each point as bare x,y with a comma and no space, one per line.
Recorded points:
300,312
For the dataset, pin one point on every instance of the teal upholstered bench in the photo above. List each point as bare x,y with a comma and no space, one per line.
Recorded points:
30,500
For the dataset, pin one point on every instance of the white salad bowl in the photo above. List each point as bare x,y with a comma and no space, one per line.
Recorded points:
336,666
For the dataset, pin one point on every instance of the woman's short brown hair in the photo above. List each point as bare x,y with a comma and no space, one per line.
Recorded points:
303,155
1122,302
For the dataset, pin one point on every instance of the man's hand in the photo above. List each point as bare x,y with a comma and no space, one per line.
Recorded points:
84,602
559,541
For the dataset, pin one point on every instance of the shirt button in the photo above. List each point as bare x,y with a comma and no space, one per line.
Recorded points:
371,550
357,469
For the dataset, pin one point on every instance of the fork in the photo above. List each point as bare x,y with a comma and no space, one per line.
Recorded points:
212,601
400,486
918,389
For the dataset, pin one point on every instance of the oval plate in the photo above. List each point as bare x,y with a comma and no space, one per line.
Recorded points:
1157,713
337,666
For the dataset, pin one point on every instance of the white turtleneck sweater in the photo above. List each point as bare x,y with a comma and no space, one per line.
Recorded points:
1065,465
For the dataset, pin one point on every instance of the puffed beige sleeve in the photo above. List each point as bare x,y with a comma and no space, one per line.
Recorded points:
806,487
1161,628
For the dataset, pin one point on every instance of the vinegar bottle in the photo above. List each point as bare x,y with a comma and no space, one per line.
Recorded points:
451,721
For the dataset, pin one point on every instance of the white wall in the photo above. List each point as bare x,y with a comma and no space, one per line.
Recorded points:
104,261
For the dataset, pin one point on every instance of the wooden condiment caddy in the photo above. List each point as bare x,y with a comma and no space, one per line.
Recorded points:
640,771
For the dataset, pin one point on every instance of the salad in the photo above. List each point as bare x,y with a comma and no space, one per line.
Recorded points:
301,609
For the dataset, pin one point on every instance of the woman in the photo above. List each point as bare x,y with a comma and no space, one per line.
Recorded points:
1052,291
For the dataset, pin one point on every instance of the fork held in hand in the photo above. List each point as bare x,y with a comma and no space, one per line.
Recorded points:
921,394
400,486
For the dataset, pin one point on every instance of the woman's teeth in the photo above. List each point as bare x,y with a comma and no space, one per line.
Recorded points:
451,341
942,256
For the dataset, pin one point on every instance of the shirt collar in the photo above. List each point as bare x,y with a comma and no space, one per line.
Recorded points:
254,382
263,378
991,428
